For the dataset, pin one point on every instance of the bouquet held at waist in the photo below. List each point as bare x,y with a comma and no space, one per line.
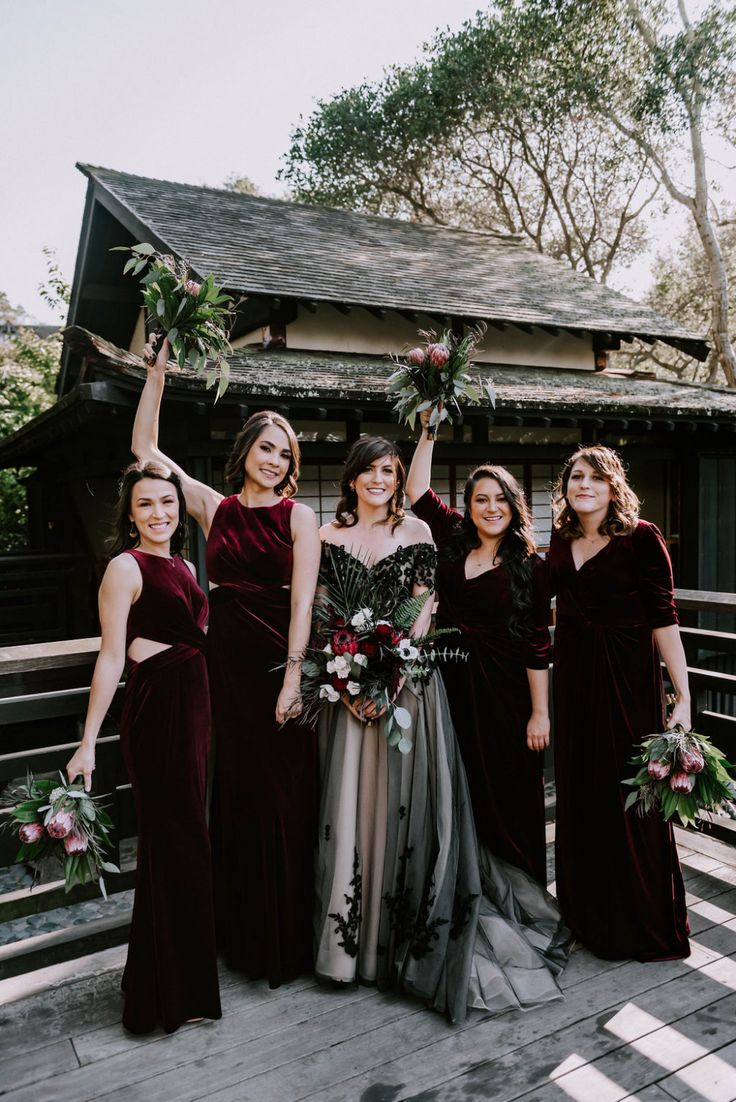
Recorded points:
362,648
59,821
681,774
196,315
435,375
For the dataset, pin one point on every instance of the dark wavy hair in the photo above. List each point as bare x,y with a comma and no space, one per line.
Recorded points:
365,451
516,548
623,510
121,539
246,438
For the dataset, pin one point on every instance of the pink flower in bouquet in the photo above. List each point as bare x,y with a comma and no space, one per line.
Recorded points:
61,824
75,842
30,833
438,354
691,760
415,356
658,770
192,287
345,642
682,782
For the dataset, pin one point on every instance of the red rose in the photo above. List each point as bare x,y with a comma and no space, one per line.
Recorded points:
339,684
383,631
396,637
369,648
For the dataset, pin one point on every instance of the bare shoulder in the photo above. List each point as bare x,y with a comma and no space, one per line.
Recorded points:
192,568
329,533
416,531
122,577
303,518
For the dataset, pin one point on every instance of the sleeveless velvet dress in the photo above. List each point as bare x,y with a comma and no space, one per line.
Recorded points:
618,876
489,694
171,970
405,896
265,790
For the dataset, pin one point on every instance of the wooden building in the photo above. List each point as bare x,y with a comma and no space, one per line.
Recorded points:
325,296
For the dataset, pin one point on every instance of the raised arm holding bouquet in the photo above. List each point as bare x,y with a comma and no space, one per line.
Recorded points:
196,316
434,376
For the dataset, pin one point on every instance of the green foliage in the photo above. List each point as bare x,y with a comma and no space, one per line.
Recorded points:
241,185
56,291
28,368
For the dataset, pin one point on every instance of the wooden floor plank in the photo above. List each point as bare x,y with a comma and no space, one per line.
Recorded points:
712,1078
29,1068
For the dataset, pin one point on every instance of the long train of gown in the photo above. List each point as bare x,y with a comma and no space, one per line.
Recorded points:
404,896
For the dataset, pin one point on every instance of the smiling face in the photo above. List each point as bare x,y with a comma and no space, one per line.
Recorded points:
376,483
269,458
587,491
154,509
490,510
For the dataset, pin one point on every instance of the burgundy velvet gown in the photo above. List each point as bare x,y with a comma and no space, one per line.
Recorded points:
489,695
171,971
265,793
618,877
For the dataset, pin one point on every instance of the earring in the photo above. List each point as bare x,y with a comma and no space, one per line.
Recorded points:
133,531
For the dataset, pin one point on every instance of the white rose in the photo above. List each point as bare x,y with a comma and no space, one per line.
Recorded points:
327,649
360,659
353,688
326,691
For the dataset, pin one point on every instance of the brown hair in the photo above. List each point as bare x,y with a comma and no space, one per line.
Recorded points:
364,452
623,510
121,539
246,438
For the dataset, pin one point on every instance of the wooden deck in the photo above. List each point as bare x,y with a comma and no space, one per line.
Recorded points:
653,1032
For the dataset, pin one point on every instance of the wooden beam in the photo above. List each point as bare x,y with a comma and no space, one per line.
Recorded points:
308,305
616,424
342,307
524,326
500,325
243,411
410,315
551,329
377,311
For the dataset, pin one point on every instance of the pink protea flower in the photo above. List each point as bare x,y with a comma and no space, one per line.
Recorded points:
192,287
416,356
691,760
658,770
61,824
30,833
438,354
682,782
75,842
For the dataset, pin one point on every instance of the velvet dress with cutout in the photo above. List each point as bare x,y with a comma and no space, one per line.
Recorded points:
265,787
618,876
171,970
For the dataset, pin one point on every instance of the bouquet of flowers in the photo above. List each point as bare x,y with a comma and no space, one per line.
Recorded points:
435,376
362,647
681,774
195,316
62,822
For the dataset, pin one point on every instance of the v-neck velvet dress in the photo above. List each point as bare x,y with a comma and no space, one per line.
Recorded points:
265,792
618,876
489,694
171,970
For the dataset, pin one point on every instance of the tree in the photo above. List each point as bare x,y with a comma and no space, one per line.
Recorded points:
475,135
664,82
681,290
243,185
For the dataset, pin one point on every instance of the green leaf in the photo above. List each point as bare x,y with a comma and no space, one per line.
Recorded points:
144,249
160,307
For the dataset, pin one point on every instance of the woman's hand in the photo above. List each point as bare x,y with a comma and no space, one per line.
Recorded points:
537,731
160,360
82,763
289,704
364,710
425,415
680,714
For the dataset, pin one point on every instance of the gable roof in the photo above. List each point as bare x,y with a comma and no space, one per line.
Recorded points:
272,247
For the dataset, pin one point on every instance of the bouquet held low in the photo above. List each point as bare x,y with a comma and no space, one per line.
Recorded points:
435,375
680,774
61,821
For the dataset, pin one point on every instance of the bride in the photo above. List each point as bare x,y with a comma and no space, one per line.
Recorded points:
404,897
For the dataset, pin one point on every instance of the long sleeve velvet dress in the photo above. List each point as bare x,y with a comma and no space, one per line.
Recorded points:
489,694
618,877
171,970
265,792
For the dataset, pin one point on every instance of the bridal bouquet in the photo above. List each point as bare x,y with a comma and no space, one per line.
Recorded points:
62,822
195,316
435,376
362,647
681,774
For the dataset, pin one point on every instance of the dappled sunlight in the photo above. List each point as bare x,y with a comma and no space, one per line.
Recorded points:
583,1082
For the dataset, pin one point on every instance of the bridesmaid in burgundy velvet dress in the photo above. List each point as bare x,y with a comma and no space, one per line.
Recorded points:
618,876
493,587
263,555
152,609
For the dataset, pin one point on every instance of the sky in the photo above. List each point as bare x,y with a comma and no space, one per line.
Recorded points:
176,90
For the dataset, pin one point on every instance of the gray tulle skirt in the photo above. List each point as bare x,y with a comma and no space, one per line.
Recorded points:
404,897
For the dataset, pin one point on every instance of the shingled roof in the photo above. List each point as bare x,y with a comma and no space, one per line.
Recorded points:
272,247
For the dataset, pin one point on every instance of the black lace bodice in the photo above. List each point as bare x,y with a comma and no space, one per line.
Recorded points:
392,577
